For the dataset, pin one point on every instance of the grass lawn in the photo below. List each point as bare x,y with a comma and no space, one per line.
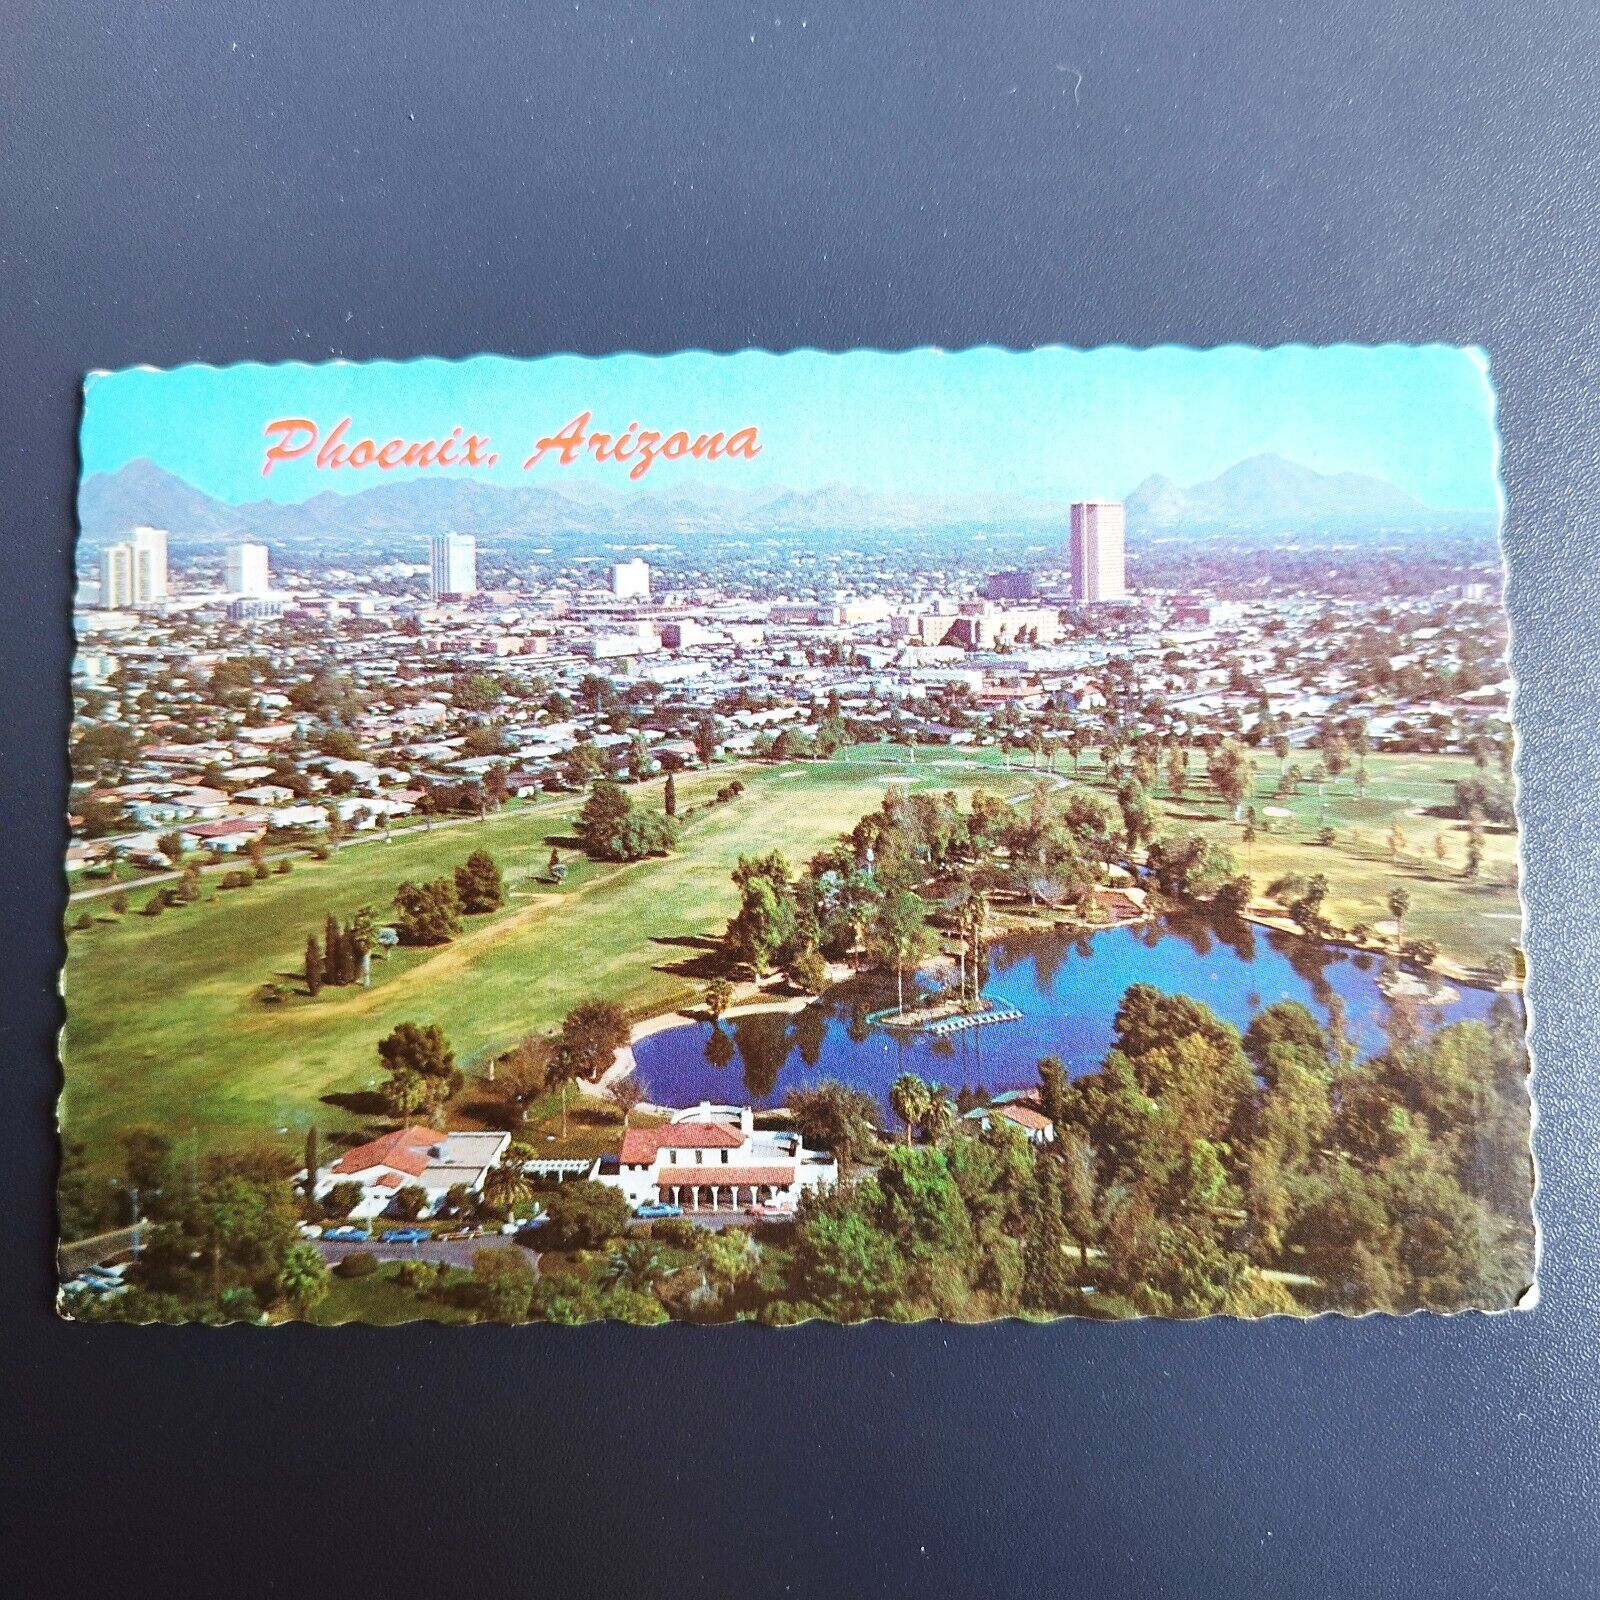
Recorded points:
163,1027
383,1301
1468,919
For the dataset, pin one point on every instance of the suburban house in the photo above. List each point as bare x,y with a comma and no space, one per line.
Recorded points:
227,835
1018,1107
414,1157
713,1157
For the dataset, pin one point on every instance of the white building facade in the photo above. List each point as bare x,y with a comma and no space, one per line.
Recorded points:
1098,551
245,570
712,1158
452,565
630,580
133,572
416,1157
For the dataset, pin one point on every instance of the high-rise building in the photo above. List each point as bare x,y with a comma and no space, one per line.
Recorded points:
630,580
116,576
1097,551
246,569
452,565
133,572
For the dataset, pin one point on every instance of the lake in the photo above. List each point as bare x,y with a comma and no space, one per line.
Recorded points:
1067,988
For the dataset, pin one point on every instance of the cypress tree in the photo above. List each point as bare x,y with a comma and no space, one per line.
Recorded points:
669,798
1046,1273
330,944
311,1162
313,966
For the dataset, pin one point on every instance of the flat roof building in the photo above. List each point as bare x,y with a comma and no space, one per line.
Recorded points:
1097,551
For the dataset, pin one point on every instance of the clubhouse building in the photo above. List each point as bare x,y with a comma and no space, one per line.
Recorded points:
415,1157
712,1158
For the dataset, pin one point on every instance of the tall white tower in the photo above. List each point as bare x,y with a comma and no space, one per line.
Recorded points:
452,564
1097,550
116,576
149,565
246,570
133,572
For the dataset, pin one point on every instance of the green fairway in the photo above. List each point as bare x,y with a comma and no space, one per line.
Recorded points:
1469,920
164,1028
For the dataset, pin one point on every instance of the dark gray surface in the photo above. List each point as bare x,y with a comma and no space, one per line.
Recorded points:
222,182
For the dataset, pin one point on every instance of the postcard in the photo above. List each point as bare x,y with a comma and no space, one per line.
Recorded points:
771,837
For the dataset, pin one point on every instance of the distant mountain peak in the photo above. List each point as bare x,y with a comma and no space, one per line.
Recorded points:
1270,491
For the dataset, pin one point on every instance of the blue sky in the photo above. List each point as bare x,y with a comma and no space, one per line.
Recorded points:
1050,422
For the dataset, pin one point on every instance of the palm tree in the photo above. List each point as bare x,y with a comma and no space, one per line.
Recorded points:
1399,903
506,1184
909,1098
939,1115
634,1266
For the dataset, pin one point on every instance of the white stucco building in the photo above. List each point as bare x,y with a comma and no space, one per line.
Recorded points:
413,1157
712,1158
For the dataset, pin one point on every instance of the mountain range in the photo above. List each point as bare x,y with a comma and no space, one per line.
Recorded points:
1263,494
1268,491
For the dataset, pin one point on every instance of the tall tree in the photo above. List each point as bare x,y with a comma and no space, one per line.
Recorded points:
313,966
1399,903
479,884
898,934
908,1099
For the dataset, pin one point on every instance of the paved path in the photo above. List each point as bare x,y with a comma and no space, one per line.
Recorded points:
81,1253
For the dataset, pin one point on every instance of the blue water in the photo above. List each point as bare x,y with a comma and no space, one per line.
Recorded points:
1068,990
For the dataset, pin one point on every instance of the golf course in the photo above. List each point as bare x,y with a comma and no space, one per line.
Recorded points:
166,1025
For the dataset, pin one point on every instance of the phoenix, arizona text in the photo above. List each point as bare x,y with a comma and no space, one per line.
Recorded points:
637,448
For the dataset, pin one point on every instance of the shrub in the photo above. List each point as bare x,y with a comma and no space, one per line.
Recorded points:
1420,952
285,867
679,1232
411,1202
341,1200
584,1216
359,1264
421,1275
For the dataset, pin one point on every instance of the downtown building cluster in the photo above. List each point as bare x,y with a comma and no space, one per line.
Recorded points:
530,681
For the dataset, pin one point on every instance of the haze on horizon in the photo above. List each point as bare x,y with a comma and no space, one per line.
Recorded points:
1050,424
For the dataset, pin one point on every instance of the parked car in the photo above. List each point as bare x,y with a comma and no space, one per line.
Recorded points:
771,1213
96,1284
653,1210
309,1230
348,1234
405,1236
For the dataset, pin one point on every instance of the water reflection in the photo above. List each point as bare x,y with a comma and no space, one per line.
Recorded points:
1068,989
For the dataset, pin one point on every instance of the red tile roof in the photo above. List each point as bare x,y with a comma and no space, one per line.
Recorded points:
406,1150
721,1176
1023,1115
639,1145
227,827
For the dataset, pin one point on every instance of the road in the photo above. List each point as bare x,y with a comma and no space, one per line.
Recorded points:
455,1252
95,1252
